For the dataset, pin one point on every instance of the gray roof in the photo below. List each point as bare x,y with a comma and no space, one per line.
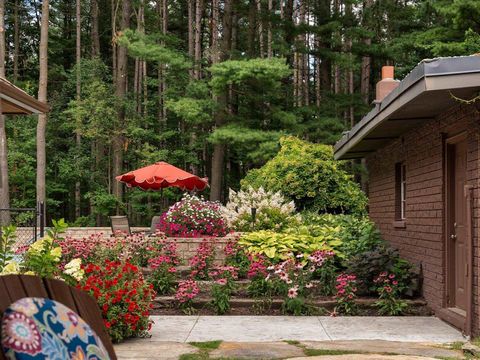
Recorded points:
423,94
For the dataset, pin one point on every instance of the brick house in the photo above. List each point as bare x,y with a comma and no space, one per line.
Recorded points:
421,145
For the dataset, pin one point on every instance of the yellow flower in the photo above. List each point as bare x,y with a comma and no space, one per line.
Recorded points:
56,253
12,267
29,273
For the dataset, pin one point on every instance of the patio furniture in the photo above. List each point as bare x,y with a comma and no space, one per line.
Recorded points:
153,226
16,287
120,225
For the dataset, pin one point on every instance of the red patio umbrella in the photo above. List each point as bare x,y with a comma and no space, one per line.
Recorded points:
162,175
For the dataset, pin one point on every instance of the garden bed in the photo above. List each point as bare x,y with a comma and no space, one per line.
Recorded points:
166,305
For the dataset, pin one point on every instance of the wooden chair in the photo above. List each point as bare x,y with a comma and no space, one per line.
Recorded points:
120,225
15,287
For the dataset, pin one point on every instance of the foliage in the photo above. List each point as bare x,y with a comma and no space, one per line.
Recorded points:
43,256
123,295
97,247
325,270
163,268
308,174
346,294
186,292
382,258
202,261
272,210
295,284
235,255
389,292
358,233
224,277
7,241
299,241
193,217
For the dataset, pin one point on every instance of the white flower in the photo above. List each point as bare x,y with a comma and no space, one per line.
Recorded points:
74,269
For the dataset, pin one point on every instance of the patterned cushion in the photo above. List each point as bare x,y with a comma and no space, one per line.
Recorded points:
36,328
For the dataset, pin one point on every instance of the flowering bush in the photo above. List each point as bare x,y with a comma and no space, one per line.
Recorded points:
272,210
203,260
346,294
388,289
163,268
325,270
186,292
235,255
123,295
138,248
222,288
295,284
193,217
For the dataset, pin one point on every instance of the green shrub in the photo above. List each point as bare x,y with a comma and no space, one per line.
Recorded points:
308,174
358,233
382,258
299,241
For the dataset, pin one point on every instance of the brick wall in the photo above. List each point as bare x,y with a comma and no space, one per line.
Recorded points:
422,239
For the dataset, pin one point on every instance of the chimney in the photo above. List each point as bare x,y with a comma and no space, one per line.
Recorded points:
387,84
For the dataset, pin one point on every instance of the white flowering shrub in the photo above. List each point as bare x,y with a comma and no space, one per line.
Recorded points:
272,210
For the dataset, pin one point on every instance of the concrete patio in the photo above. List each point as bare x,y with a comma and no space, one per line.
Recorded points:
263,337
308,328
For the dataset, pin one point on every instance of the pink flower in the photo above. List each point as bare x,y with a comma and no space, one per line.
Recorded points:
222,281
293,292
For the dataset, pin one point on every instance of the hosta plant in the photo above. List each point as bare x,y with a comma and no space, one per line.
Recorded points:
278,246
257,209
193,217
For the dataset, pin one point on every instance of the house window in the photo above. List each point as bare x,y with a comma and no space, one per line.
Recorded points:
400,191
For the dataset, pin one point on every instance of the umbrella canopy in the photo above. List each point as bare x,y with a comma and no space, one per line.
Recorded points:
162,175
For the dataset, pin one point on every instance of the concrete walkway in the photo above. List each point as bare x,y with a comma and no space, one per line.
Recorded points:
309,328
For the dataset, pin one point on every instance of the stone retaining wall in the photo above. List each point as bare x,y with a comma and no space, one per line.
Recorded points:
187,247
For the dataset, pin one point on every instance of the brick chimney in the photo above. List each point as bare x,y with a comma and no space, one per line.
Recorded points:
387,84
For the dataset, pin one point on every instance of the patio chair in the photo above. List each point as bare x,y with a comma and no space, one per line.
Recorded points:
120,225
16,287
153,226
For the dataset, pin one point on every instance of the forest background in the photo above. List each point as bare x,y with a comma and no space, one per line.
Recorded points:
207,85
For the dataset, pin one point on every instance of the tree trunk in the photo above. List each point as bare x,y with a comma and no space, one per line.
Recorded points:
269,34
191,46
366,60
120,92
261,45
42,96
114,4
16,41
198,40
95,34
78,138
251,29
219,150
4,186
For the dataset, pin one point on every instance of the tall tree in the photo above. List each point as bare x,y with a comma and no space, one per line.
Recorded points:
120,93
78,87
95,35
4,184
218,157
42,96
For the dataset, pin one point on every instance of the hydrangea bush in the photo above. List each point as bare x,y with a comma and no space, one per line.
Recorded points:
272,210
193,217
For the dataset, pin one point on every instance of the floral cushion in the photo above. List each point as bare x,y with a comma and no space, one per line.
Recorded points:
36,328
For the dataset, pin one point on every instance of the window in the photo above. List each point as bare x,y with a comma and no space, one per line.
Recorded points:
400,191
